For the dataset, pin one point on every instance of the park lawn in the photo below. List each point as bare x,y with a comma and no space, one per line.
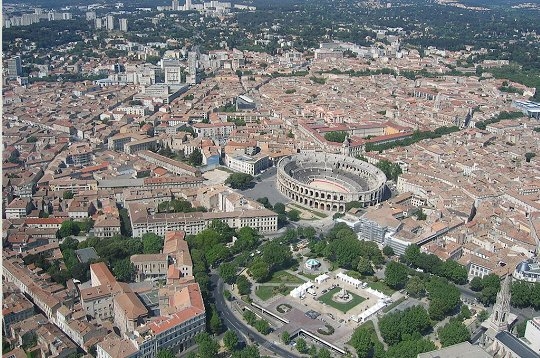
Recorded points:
343,307
382,287
265,292
311,276
285,277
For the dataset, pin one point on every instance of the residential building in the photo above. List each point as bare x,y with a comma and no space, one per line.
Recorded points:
115,347
18,208
73,185
215,131
123,25
110,22
150,266
175,331
128,312
15,308
14,66
192,223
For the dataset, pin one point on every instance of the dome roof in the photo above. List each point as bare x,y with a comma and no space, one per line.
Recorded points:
524,266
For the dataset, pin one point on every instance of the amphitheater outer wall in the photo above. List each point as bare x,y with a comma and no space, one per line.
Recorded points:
328,200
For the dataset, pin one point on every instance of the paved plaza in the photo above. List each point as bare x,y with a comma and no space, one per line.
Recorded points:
341,322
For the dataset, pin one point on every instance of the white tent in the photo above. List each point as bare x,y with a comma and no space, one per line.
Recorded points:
321,278
301,290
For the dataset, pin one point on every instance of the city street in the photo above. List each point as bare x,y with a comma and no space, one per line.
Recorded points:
235,323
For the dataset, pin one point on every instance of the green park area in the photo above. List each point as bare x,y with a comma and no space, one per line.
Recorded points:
285,277
345,306
265,292
381,287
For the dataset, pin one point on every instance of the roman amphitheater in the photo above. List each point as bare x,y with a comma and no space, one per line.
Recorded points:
328,181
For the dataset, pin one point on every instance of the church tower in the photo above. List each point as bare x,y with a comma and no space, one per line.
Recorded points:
501,310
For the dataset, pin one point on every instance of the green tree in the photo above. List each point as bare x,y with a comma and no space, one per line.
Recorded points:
482,315
262,326
444,297
293,215
260,271
410,348
491,284
250,317
335,136
395,275
230,340
31,139
247,239
323,353
6,346
68,194
395,327
29,340
529,156
301,345
277,256
364,267
265,202
216,254
465,313
453,332
279,208
152,243
196,157
227,271
240,181
215,322
286,337
68,228
81,271
454,271
361,340
208,347
476,284
243,284
391,170
388,251
415,287
123,270
521,294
